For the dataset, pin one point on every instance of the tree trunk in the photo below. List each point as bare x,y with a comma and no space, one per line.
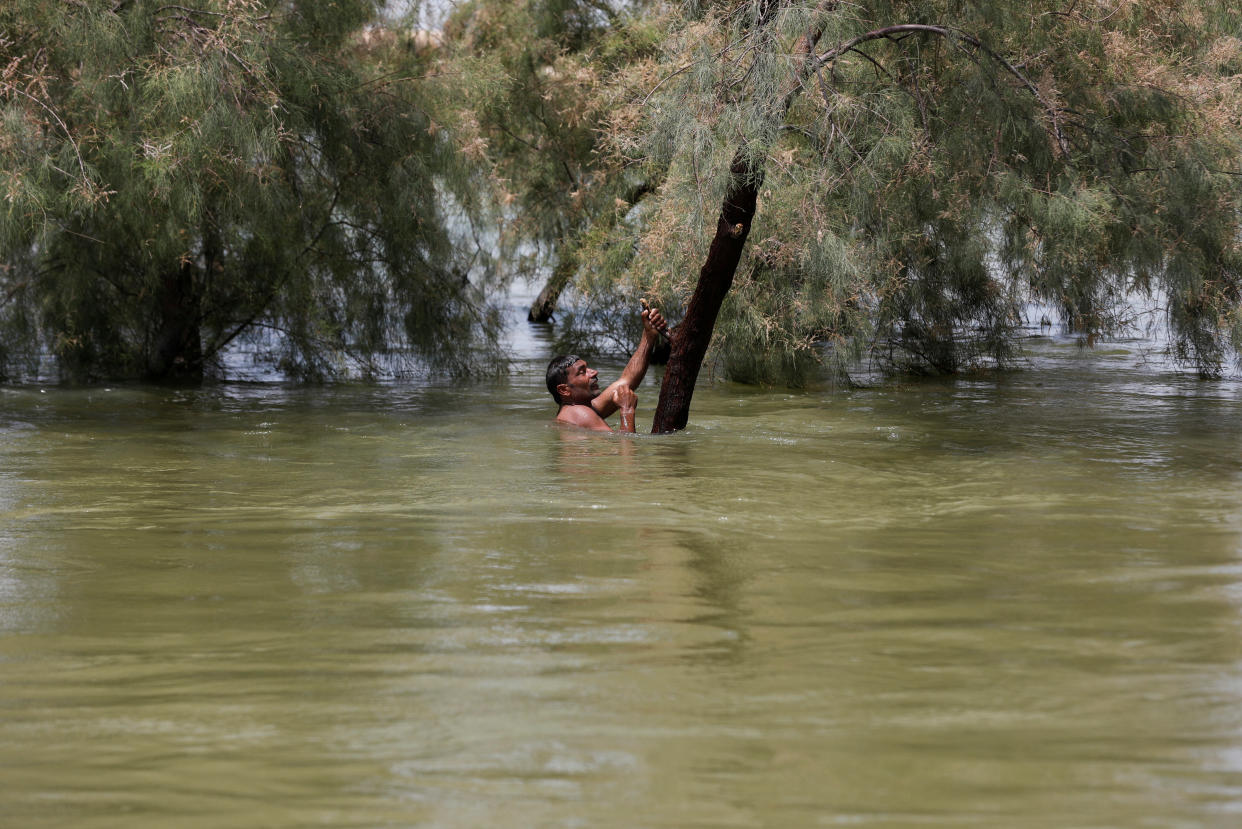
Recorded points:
694,333
177,352
545,304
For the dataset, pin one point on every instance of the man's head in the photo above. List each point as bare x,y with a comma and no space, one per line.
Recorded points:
570,380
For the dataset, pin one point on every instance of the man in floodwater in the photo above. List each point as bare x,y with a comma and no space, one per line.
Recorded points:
575,385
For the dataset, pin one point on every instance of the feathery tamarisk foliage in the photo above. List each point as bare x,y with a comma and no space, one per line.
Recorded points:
529,72
174,176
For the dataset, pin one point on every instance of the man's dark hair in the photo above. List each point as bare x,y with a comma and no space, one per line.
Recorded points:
558,372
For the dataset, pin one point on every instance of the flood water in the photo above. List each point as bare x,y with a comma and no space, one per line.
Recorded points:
1006,601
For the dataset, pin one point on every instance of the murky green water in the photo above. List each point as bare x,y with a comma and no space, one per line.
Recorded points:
1006,602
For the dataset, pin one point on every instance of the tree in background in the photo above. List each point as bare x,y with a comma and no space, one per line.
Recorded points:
910,174
529,73
176,176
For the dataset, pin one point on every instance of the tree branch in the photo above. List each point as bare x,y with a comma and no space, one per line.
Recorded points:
894,33
188,10
64,128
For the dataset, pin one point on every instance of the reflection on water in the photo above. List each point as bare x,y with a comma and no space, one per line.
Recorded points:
1008,601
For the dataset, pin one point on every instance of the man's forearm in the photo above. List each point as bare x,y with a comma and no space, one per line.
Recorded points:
636,369
627,420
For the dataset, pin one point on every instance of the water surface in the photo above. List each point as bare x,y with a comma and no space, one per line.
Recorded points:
996,601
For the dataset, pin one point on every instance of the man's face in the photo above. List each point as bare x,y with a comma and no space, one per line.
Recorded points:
583,384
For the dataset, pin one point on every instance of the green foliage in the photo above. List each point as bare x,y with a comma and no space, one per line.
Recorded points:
920,188
529,74
177,176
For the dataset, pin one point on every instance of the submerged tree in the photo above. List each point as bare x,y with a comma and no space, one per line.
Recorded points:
529,72
175,176
909,174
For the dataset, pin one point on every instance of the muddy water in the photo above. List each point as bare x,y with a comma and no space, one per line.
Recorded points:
1009,601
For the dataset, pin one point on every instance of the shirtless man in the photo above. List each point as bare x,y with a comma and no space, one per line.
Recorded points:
575,386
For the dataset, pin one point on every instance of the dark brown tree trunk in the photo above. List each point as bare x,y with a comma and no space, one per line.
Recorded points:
177,351
694,333
544,306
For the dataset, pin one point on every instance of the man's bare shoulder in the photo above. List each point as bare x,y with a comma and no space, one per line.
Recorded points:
583,416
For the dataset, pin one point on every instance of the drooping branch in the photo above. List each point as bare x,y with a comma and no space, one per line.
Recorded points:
895,32
86,179
13,292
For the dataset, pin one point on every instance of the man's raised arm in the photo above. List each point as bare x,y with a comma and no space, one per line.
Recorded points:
636,369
